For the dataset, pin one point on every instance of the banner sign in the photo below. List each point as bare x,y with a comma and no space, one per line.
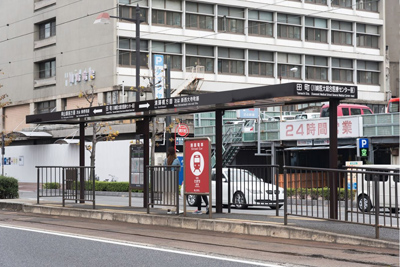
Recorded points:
197,165
159,76
348,127
250,113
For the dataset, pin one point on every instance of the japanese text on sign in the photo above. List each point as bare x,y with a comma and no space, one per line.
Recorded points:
319,128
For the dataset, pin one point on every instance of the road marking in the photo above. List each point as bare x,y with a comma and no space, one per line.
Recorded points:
130,244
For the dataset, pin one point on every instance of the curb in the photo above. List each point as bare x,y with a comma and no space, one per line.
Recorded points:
246,228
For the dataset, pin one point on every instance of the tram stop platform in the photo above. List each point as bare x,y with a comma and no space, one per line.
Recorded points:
252,221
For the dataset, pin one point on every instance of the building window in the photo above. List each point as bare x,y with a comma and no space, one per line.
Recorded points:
230,19
288,26
47,69
231,61
367,5
261,63
367,72
47,29
316,30
321,2
129,12
342,3
316,68
289,66
342,33
342,70
199,16
171,52
367,36
46,107
199,55
127,52
167,13
261,23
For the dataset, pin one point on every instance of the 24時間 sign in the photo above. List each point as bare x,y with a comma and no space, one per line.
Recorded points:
197,166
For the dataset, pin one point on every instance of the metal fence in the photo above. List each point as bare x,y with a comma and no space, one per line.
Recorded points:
251,185
163,187
65,182
364,195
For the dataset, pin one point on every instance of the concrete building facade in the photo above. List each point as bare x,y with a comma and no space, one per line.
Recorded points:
51,51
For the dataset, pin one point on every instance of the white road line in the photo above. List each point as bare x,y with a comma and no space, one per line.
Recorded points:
150,247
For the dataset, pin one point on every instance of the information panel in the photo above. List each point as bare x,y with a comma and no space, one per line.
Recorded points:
197,165
136,168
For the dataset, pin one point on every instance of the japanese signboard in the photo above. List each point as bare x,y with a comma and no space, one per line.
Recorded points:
197,165
159,76
348,127
326,90
249,113
362,147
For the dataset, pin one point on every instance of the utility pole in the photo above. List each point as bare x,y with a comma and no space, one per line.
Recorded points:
168,135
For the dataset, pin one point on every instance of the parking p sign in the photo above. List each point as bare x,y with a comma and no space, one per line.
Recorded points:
362,147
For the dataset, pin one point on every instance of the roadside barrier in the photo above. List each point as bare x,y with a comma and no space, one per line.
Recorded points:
363,195
65,182
163,187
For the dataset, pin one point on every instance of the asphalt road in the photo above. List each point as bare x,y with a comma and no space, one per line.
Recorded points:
40,240
27,247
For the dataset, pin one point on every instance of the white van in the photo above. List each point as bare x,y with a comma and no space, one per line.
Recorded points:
389,187
305,116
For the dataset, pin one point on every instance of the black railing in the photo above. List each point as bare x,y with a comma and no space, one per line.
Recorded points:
163,187
253,185
65,182
364,195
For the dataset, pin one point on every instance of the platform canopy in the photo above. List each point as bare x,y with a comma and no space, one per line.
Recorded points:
262,96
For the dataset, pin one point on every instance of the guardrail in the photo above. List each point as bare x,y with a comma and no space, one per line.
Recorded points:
65,182
368,197
163,187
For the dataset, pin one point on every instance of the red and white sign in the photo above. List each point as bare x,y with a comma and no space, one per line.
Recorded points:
197,166
319,128
183,130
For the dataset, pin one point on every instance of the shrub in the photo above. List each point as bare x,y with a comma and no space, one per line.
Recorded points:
8,187
51,186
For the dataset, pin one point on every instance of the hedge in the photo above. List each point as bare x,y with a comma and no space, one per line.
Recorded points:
8,187
109,186
315,193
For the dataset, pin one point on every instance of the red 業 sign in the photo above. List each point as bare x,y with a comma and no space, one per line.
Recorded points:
197,166
183,130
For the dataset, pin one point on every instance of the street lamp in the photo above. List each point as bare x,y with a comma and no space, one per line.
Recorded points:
104,18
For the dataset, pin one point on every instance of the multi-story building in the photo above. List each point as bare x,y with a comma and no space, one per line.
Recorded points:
51,51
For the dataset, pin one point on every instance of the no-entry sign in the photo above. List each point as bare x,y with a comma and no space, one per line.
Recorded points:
197,165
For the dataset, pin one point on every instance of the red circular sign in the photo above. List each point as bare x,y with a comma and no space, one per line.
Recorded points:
183,130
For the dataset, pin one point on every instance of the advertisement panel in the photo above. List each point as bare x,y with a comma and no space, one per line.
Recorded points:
197,166
348,127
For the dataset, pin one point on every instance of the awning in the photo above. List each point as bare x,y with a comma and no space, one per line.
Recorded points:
317,147
67,141
31,134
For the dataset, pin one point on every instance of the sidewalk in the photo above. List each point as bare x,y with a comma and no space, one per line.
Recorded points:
249,224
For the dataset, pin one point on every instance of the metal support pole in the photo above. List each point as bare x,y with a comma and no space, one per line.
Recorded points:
333,157
168,95
137,53
82,161
218,157
285,197
146,159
